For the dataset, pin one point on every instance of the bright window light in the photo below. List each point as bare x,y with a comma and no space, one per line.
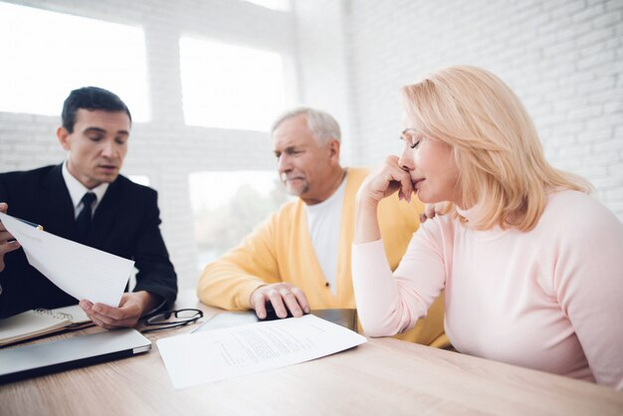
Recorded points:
281,5
228,205
45,55
230,87
140,179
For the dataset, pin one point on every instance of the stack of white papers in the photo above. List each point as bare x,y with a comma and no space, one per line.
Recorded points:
79,270
220,354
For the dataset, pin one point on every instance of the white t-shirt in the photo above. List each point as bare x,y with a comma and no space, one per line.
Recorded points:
323,221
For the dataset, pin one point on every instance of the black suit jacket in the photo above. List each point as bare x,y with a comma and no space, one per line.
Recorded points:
125,223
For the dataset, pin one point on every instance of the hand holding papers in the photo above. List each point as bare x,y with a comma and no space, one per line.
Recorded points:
81,271
204,357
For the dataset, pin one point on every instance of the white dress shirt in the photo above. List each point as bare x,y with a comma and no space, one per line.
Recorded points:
77,191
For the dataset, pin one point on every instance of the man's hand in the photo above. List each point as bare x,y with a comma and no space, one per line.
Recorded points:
131,308
281,296
6,246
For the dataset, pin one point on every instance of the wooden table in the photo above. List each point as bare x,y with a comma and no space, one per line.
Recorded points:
383,376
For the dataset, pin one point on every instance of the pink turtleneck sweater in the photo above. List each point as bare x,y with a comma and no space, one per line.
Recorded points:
550,299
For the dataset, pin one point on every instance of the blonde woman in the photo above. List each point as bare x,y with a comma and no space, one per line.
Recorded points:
532,266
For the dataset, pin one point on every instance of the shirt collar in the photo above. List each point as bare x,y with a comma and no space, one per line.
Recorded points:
77,189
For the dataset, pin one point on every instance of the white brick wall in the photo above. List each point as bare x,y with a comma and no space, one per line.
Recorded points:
563,58
321,53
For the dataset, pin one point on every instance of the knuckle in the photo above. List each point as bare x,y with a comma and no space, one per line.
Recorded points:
273,294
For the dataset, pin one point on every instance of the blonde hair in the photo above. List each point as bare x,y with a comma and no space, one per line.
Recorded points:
502,169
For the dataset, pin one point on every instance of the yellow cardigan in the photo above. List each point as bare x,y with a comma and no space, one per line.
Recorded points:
280,250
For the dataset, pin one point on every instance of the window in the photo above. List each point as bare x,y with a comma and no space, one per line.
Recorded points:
230,87
140,179
280,5
45,55
228,205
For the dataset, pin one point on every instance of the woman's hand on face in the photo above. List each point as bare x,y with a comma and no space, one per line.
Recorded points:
389,179
431,211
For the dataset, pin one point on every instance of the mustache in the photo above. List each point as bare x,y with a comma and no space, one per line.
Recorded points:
287,177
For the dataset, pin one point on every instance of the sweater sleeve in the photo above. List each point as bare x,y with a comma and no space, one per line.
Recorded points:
388,303
588,281
229,281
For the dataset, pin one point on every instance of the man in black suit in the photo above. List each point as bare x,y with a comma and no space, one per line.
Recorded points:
86,200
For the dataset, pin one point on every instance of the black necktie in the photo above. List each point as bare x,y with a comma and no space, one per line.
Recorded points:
84,218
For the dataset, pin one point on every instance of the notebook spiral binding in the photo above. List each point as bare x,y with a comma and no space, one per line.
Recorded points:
59,315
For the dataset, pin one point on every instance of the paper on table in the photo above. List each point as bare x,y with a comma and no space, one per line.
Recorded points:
204,357
81,271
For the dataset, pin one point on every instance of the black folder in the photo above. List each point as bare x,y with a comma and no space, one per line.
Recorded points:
33,360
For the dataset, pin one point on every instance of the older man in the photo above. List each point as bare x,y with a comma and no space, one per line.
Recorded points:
86,200
299,259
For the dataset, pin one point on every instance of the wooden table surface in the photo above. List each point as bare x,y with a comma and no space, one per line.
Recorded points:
384,376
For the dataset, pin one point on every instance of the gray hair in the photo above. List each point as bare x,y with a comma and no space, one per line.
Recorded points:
321,124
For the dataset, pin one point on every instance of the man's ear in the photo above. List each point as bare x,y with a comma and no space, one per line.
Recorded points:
334,151
63,137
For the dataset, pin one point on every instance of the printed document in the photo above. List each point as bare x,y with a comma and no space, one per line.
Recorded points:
81,271
204,357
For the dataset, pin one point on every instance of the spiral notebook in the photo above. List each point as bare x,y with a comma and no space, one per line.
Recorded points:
38,322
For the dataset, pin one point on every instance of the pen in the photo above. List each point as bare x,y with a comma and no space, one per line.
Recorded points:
37,226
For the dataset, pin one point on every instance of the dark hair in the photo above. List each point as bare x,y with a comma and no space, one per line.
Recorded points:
90,98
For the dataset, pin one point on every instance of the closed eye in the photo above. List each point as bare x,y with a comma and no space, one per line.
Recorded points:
409,136
290,151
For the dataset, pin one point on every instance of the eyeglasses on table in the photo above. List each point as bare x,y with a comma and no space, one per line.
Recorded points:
172,319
